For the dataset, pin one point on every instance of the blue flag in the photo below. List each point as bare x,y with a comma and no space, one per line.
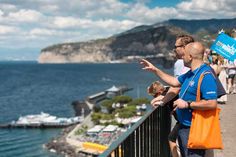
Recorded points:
225,46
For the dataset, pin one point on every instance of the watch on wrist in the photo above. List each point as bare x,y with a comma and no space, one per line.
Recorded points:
189,102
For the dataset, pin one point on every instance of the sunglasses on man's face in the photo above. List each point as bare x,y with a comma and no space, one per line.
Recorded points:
178,46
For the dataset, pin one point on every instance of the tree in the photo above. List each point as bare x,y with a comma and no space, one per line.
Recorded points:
122,99
127,112
108,105
96,108
96,117
139,101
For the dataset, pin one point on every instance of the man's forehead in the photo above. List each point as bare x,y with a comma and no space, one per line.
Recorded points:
178,41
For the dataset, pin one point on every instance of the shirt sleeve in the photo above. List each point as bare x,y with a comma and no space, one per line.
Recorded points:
209,87
182,77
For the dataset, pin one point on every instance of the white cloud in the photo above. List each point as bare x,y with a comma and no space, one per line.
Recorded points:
1,13
7,29
76,8
103,9
201,5
65,22
145,15
115,25
195,9
205,9
25,16
108,24
44,22
7,7
49,8
40,31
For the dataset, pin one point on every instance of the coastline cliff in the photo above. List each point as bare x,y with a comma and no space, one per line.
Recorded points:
142,41
122,47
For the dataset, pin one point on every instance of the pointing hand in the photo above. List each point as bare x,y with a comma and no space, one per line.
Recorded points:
147,65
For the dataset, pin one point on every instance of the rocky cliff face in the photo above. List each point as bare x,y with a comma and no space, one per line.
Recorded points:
145,41
157,39
93,51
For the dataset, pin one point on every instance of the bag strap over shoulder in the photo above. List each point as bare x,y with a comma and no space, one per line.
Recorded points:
198,98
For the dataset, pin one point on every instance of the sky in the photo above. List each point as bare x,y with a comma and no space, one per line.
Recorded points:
27,26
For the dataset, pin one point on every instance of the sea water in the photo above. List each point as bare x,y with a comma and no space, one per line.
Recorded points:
30,88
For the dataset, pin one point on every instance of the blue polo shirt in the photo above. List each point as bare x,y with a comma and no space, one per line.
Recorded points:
189,83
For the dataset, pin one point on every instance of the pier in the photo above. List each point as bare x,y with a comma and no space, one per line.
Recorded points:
9,126
93,99
113,91
43,120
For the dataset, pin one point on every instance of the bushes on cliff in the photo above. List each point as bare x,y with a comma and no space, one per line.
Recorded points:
139,101
123,99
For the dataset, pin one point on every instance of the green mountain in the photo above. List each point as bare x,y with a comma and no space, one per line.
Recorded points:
211,26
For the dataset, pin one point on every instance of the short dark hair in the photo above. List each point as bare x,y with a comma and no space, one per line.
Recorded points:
185,39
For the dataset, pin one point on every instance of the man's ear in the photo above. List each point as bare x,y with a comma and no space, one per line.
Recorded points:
191,57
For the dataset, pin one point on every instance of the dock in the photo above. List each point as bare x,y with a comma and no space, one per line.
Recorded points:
99,96
43,120
91,100
9,126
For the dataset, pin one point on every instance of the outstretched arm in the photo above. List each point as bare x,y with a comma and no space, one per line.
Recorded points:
170,80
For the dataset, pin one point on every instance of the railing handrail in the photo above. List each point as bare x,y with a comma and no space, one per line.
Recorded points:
124,136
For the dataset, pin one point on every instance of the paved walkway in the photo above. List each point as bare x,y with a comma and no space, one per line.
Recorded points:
228,128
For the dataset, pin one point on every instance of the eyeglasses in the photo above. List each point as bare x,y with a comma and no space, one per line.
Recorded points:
178,46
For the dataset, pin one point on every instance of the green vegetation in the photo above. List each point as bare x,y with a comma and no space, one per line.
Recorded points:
96,116
126,113
81,130
127,109
108,105
96,108
122,99
139,101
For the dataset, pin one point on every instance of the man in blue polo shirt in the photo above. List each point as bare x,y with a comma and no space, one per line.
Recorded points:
193,58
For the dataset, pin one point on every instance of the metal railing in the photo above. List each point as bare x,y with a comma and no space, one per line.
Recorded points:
146,138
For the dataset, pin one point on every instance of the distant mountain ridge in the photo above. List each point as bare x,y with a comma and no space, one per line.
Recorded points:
211,25
191,26
145,40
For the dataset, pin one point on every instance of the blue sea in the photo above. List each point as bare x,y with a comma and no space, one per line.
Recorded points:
31,88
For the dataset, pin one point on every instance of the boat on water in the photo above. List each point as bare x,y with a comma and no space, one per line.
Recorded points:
43,120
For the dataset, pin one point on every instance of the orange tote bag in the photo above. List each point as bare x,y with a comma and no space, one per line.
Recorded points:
205,127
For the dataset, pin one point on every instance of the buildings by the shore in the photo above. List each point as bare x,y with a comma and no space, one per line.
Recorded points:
90,139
